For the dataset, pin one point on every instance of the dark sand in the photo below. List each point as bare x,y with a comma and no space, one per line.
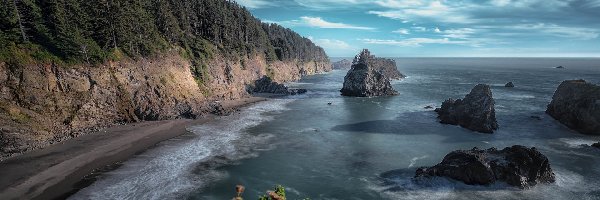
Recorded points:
56,171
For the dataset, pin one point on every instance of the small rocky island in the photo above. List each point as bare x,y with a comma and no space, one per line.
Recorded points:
342,64
368,76
509,85
475,112
517,165
576,104
266,85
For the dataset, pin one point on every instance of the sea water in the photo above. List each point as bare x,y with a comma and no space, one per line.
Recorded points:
369,148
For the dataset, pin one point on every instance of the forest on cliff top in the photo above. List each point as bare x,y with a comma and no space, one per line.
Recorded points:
92,32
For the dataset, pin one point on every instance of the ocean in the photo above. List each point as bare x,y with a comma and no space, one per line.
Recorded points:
343,150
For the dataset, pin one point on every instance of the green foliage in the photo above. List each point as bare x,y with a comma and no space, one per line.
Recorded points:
279,190
81,31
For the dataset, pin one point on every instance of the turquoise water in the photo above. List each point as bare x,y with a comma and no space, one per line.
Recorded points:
343,150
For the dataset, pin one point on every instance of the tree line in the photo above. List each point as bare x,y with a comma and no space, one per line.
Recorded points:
93,31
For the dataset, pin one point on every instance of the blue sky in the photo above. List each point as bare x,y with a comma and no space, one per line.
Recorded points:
469,28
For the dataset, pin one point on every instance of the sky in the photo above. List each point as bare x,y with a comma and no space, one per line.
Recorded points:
441,28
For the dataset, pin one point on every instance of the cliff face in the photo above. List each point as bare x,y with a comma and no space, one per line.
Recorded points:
44,103
576,104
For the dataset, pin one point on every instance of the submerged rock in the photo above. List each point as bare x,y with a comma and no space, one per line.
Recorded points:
475,112
509,84
517,165
342,64
365,80
576,104
266,85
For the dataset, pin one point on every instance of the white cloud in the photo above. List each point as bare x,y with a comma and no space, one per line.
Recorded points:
399,3
254,4
320,23
435,10
419,28
459,33
402,31
437,30
558,31
331,44
414,42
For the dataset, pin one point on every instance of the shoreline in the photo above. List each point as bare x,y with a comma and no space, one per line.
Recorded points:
58,171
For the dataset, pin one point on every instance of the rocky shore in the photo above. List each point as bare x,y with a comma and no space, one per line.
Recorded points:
366,78
576,104
475,112
517,166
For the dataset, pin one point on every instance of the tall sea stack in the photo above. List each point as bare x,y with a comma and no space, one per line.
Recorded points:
367,78
576,104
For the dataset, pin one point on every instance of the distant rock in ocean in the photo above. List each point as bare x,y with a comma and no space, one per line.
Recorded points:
342,64
576,104
560,67
597,145
366,79
517,165
475,112
509,84
266,85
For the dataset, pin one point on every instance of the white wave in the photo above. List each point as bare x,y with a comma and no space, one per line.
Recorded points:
413,161
166,172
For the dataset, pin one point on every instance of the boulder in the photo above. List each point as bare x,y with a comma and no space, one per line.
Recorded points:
364,80
475,112
342,64
266,85
517,165
576,104
597,145
509,84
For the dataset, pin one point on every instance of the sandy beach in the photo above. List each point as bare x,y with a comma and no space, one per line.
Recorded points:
55,171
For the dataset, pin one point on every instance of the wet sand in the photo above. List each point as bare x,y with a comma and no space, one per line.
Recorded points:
55,171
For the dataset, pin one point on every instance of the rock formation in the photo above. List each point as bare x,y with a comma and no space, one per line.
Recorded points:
517,165
342,64
475,112
509,84
365,80
576,104
387,67
266,85
597,145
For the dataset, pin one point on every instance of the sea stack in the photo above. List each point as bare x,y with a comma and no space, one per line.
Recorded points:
474,112
517,165
510,85
366,78
342,64
266,85
576,104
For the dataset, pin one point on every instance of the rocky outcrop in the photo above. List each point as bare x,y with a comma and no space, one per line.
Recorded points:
475,112
509,84
266,85
342,64
42,104
576,104
517,165
365,80
597,145
387,67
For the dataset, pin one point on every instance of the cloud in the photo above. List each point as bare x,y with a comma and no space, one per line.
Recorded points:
402,31
399,3
435,10
559,31
459,33
320,23
414,42
254,4
331,44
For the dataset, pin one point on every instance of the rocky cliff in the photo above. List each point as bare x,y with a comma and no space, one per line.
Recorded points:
517,165
475,112
342,64
41,104
576,104
365,79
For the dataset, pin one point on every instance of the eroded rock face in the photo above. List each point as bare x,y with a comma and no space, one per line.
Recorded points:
342,64
266,85
576,104
365,80
517,165
475,112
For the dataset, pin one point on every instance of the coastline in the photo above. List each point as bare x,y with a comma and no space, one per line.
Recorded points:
54,172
